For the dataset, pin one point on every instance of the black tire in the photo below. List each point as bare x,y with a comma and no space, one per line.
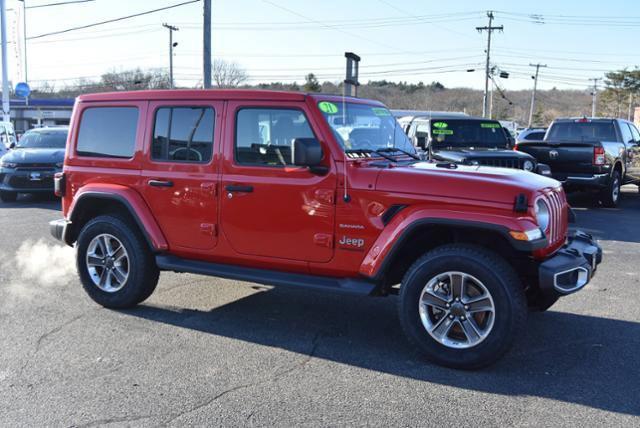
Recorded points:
498,278
611,194
8,196
143,271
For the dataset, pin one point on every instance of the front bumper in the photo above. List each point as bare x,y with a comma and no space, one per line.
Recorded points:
571,267
27,181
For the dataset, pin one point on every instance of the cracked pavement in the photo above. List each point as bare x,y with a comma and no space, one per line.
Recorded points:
210,352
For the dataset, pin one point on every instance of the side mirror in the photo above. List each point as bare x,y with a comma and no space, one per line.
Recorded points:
12,145
308,152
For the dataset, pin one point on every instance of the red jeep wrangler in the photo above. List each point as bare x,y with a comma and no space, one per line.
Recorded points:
312,191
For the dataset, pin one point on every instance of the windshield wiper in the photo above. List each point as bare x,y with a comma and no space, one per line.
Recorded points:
395,149
376,152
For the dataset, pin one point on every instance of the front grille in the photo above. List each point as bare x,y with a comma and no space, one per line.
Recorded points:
36,166
21,182
499,162
558,224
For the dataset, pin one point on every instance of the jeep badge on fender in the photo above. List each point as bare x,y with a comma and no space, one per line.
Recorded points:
279,190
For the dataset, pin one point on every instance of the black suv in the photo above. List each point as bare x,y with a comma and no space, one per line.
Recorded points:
31,165
468,140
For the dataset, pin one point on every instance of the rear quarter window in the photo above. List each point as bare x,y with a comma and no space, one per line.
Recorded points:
108,132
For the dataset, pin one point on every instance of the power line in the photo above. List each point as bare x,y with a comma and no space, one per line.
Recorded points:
113,20
59,4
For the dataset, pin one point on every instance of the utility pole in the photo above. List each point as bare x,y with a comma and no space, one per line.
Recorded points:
489,29
351,82
171,29
6,113
630,104
533,94
594,95
206,45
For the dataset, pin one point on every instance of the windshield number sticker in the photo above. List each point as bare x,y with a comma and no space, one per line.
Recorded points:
327,107
490,125
440,125
443,132
378,111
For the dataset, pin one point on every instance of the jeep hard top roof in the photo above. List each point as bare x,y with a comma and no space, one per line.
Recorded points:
217,94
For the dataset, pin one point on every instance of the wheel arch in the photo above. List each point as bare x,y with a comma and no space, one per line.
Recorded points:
91,203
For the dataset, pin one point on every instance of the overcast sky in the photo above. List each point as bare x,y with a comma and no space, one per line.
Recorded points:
282,40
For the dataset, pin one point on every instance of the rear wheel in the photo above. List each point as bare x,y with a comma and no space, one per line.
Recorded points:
114,262
462,306
611,194
7,196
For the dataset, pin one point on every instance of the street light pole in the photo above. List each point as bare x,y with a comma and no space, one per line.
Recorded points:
6,113
171,29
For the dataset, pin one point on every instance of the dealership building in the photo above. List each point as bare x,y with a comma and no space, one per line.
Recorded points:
38,112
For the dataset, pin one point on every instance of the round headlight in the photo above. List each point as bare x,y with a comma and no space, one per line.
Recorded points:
528,165
542,214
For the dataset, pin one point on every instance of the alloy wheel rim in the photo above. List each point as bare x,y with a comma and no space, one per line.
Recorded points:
107,263
616,190
457,310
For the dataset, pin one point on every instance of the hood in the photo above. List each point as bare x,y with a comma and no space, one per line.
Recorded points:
34,156
465,153
479,183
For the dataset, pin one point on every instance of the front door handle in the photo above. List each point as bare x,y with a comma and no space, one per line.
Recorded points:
160,183
243,189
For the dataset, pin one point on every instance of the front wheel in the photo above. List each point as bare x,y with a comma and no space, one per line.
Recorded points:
462,306
114,262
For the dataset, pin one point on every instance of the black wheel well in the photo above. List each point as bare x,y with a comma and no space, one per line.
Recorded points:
428,237
618,167
91,207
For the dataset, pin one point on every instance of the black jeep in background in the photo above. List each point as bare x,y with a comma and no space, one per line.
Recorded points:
595,154
461,139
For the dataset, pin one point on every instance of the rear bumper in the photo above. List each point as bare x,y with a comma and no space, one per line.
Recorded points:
571,268
583,180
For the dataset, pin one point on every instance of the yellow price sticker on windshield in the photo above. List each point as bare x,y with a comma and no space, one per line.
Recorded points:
379,111
443,132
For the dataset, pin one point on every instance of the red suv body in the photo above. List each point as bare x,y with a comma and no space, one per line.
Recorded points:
320,191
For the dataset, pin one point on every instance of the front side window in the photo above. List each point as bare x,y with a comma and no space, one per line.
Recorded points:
53,139
266,136
108,132
183,134
364,127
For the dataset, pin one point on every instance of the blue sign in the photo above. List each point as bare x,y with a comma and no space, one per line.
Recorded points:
23,90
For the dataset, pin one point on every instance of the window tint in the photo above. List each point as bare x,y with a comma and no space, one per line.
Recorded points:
108,132
635,133
535,136
265,136
626,132
183,134
580,131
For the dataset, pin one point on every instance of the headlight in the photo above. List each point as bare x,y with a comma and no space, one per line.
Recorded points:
528,165
542,214
8,164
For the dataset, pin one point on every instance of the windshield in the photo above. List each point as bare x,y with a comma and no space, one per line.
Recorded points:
364,127
580,131
43,140
468,133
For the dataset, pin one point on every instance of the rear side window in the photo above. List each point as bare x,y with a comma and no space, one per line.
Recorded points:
535,136
265,136
183,134
108,132
626,133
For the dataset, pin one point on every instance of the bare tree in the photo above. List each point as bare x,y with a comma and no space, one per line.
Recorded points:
228,74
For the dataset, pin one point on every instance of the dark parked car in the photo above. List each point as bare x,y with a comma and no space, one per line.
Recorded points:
468,140
596,154
31,165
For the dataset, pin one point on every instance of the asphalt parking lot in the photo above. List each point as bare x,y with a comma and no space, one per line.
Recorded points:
204,351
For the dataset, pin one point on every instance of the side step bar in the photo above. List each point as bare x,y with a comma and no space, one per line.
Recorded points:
265,276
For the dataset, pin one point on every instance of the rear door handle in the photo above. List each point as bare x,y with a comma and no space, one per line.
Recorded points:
160,183
243,189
